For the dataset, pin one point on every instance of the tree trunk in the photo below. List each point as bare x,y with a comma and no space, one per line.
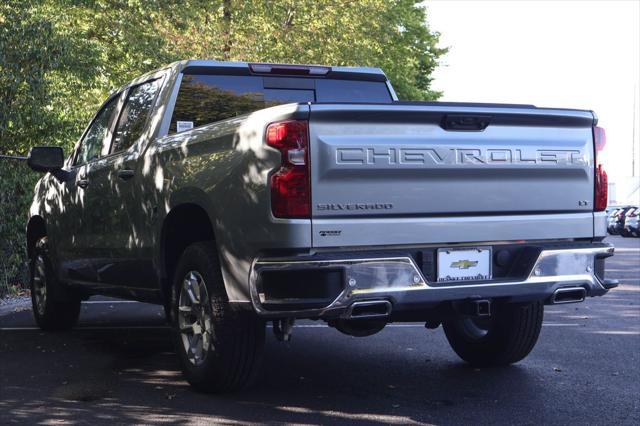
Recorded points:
226,22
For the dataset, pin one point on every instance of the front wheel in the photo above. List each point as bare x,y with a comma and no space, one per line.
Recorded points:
53,308
506,337
220,347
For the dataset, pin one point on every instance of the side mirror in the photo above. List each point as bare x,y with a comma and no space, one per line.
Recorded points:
46,158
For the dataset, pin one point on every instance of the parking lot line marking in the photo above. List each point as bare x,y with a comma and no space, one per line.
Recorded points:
544,324
107,302
18,328
164,327
626,250
140,327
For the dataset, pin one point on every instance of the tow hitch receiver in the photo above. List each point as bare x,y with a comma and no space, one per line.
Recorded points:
475,308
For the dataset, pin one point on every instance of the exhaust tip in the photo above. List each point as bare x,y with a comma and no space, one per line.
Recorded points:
369,309
568,295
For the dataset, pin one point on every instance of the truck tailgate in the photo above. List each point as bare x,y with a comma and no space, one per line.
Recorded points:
419,173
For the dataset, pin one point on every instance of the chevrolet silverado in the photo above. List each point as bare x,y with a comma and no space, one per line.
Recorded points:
236,194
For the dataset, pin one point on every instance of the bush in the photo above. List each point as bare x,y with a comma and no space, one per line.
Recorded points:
59,60
16,191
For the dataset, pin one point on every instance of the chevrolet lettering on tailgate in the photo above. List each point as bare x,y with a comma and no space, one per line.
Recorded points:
456,156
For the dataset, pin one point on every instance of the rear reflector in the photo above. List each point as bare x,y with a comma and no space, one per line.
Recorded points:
290,184
601,192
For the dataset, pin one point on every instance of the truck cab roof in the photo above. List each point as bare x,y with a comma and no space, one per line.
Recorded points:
263,68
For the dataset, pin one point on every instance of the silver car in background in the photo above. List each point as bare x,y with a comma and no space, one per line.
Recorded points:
631,223
612,220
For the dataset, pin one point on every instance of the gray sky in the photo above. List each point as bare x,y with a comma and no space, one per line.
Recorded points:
572,54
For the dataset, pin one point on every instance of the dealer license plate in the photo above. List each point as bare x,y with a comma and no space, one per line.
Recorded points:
464,264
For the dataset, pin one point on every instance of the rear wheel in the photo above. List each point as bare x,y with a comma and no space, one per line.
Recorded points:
54,308
220,348
506,337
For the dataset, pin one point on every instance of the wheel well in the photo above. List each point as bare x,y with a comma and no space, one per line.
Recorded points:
184,225
36,229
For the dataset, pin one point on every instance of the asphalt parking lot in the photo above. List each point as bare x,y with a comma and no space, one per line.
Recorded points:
118,366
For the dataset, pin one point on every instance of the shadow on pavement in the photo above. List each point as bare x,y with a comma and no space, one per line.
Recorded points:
132,376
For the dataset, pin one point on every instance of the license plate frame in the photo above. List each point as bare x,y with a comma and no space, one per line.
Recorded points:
453,262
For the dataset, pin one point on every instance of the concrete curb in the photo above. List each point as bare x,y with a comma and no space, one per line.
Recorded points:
14,304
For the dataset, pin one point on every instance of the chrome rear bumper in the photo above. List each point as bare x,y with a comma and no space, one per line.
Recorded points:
399,280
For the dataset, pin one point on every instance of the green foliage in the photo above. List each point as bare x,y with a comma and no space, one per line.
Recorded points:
390,34
16,191
59,60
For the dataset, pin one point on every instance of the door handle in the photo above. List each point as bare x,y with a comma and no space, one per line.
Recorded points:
82,183
125,174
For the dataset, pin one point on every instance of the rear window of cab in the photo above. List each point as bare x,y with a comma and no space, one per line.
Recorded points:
205,99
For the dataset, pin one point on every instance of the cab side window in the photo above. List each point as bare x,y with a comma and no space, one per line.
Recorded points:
98,135
134,115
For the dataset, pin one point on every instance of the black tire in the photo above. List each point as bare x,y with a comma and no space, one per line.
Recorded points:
233,355
506,337
54,308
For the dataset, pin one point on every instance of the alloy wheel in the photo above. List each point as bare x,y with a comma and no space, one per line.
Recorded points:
195,317
40,285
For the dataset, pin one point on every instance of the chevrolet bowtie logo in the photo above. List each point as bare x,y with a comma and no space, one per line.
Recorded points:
464,264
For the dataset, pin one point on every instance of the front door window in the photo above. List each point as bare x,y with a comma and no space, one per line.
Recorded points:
98,135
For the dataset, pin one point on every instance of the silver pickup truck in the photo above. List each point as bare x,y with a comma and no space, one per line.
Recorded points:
236,194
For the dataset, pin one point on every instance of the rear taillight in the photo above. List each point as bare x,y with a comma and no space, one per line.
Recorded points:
290,184
601,181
